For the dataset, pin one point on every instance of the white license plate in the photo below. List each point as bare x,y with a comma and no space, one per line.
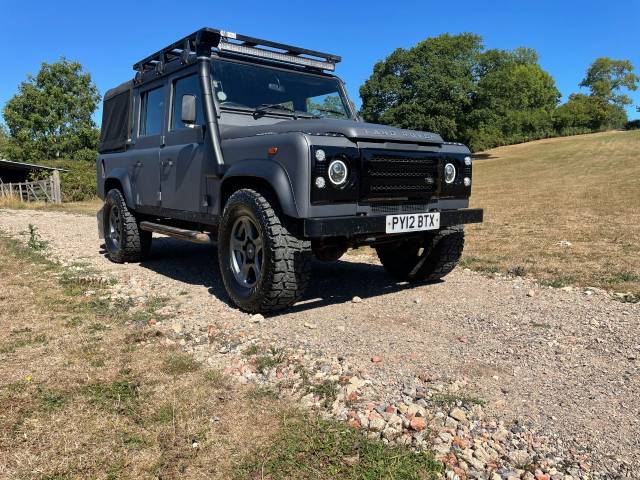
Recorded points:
413,222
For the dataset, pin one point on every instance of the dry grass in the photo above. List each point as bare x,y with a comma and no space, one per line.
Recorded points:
89,390
88,393
581,189
88,207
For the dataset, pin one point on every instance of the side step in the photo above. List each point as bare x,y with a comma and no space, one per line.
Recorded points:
182,234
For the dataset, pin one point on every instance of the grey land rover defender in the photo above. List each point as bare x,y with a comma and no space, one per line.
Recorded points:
254,145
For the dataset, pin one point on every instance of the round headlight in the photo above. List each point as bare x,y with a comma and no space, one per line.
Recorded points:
449,173
338,172
320,155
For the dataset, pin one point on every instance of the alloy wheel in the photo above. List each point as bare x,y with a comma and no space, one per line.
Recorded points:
114,227
246,252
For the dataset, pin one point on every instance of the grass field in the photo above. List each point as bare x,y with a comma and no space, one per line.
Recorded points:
539,195
90,390
88,207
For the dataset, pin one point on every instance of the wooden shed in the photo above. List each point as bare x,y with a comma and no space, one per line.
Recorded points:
15,181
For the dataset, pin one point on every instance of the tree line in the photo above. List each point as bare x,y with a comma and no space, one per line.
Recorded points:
449,84
485,98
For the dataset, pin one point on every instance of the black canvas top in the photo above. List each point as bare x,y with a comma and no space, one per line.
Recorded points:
116,118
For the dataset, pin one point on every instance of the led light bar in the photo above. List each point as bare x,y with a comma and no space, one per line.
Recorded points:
281,57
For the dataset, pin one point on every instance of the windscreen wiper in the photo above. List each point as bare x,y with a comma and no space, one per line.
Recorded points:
262,109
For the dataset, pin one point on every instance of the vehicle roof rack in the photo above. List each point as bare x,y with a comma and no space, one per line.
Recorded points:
203,41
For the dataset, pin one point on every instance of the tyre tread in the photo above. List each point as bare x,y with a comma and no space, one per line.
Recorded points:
290,264
444,250
135,243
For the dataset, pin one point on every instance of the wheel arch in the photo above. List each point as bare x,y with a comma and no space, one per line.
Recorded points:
118,178
261,175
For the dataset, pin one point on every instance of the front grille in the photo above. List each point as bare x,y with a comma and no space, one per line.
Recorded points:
393,174
388,208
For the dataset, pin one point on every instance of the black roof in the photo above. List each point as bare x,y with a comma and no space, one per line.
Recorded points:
123,87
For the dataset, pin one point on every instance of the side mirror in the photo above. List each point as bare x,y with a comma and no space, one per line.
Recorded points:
188,109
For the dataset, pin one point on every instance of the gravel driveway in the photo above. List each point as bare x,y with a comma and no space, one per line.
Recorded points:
565,361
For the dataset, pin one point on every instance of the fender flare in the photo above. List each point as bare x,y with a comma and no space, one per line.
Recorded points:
122,176
271,172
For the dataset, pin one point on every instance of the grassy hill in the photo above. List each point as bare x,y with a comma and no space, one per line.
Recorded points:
538,196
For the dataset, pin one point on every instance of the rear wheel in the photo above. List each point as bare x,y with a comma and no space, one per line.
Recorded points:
264,266
124,240
427,259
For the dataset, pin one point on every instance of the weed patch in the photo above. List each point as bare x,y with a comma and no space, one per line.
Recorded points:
454,399
114,395
165,414
313,448
622,277
271,359
251,350
35,241
179,364
261,393
326,391
26,340
50,399
517,271
216,378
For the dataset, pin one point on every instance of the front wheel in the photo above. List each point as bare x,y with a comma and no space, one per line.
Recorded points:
426,259
264,266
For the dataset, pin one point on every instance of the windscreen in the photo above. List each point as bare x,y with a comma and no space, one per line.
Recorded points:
245,86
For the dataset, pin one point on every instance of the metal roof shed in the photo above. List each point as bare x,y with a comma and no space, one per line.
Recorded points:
15,172
15,182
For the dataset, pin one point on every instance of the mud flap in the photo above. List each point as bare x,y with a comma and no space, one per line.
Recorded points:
100,219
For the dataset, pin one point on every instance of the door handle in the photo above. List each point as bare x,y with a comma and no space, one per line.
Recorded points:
170,163
138,164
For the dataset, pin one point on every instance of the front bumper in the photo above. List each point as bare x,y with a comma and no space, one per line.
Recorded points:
374,225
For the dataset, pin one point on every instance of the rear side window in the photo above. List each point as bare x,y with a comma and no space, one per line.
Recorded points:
152,109
186,86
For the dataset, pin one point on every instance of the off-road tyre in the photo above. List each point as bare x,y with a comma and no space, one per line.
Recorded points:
133,244
286,261
442,251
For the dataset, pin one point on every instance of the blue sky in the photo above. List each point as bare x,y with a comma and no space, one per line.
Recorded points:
108,37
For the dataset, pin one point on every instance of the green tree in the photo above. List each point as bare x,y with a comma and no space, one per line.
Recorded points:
4,138
606,78
582,114
514,99
603,108
50,116
427,87
449,85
